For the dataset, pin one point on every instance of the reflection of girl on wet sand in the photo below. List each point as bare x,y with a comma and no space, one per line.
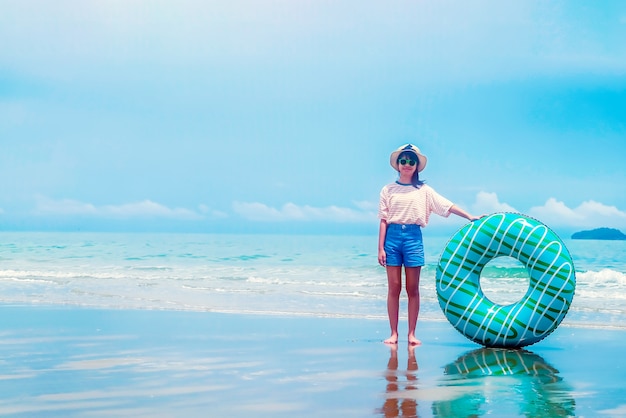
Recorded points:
395,406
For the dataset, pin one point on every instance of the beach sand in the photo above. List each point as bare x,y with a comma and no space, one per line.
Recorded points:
69,361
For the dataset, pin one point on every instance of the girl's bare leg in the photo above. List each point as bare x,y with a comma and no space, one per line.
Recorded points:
394,280
413,292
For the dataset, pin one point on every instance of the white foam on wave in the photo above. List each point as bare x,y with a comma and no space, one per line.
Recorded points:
28,280
605,278
340,281
340,294
601,290
52,274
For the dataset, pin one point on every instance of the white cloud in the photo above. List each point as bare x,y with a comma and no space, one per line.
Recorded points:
64,207
212,213
589,214
489,203
367,206
255,211
145,208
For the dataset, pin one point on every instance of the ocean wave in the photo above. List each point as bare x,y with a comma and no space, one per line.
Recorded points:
599,294
264,275
245,257
223,289
151,268
342,294
603,278
30,280
51,274
342,282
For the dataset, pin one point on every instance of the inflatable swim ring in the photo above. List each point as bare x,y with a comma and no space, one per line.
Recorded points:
551,284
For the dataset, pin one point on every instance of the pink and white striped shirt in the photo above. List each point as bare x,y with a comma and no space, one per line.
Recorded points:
405,204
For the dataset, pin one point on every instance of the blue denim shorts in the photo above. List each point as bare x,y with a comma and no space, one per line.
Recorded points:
404,245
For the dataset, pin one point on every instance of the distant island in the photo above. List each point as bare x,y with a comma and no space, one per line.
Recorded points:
600,233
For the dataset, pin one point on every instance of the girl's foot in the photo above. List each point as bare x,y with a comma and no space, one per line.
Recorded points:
392,340
414,341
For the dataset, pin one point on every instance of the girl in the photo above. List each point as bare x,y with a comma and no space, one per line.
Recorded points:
404,209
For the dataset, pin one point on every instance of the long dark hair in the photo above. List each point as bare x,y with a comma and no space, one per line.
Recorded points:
415,180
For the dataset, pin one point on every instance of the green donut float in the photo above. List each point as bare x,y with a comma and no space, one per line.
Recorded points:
541,309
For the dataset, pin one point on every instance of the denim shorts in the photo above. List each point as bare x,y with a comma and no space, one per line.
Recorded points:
404,246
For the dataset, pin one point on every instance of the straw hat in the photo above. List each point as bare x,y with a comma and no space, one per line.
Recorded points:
393,159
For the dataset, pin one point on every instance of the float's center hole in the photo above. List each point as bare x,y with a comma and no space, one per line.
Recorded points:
504,280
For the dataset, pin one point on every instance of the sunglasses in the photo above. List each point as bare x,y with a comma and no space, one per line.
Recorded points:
407,161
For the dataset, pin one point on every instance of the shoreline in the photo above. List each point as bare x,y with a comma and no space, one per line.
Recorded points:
70,360
566,323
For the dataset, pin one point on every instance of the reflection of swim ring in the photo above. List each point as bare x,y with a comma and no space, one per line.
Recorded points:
502,362
547,300
504,382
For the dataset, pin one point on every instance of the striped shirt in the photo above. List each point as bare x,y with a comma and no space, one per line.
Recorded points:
405,204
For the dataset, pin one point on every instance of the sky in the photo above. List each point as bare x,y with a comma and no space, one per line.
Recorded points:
280,115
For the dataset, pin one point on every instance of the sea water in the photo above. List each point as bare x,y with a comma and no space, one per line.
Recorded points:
331,276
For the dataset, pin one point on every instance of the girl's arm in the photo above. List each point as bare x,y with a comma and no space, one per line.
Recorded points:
382,233
463,214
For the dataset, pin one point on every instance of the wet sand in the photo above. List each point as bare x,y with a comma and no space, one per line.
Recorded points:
69,361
